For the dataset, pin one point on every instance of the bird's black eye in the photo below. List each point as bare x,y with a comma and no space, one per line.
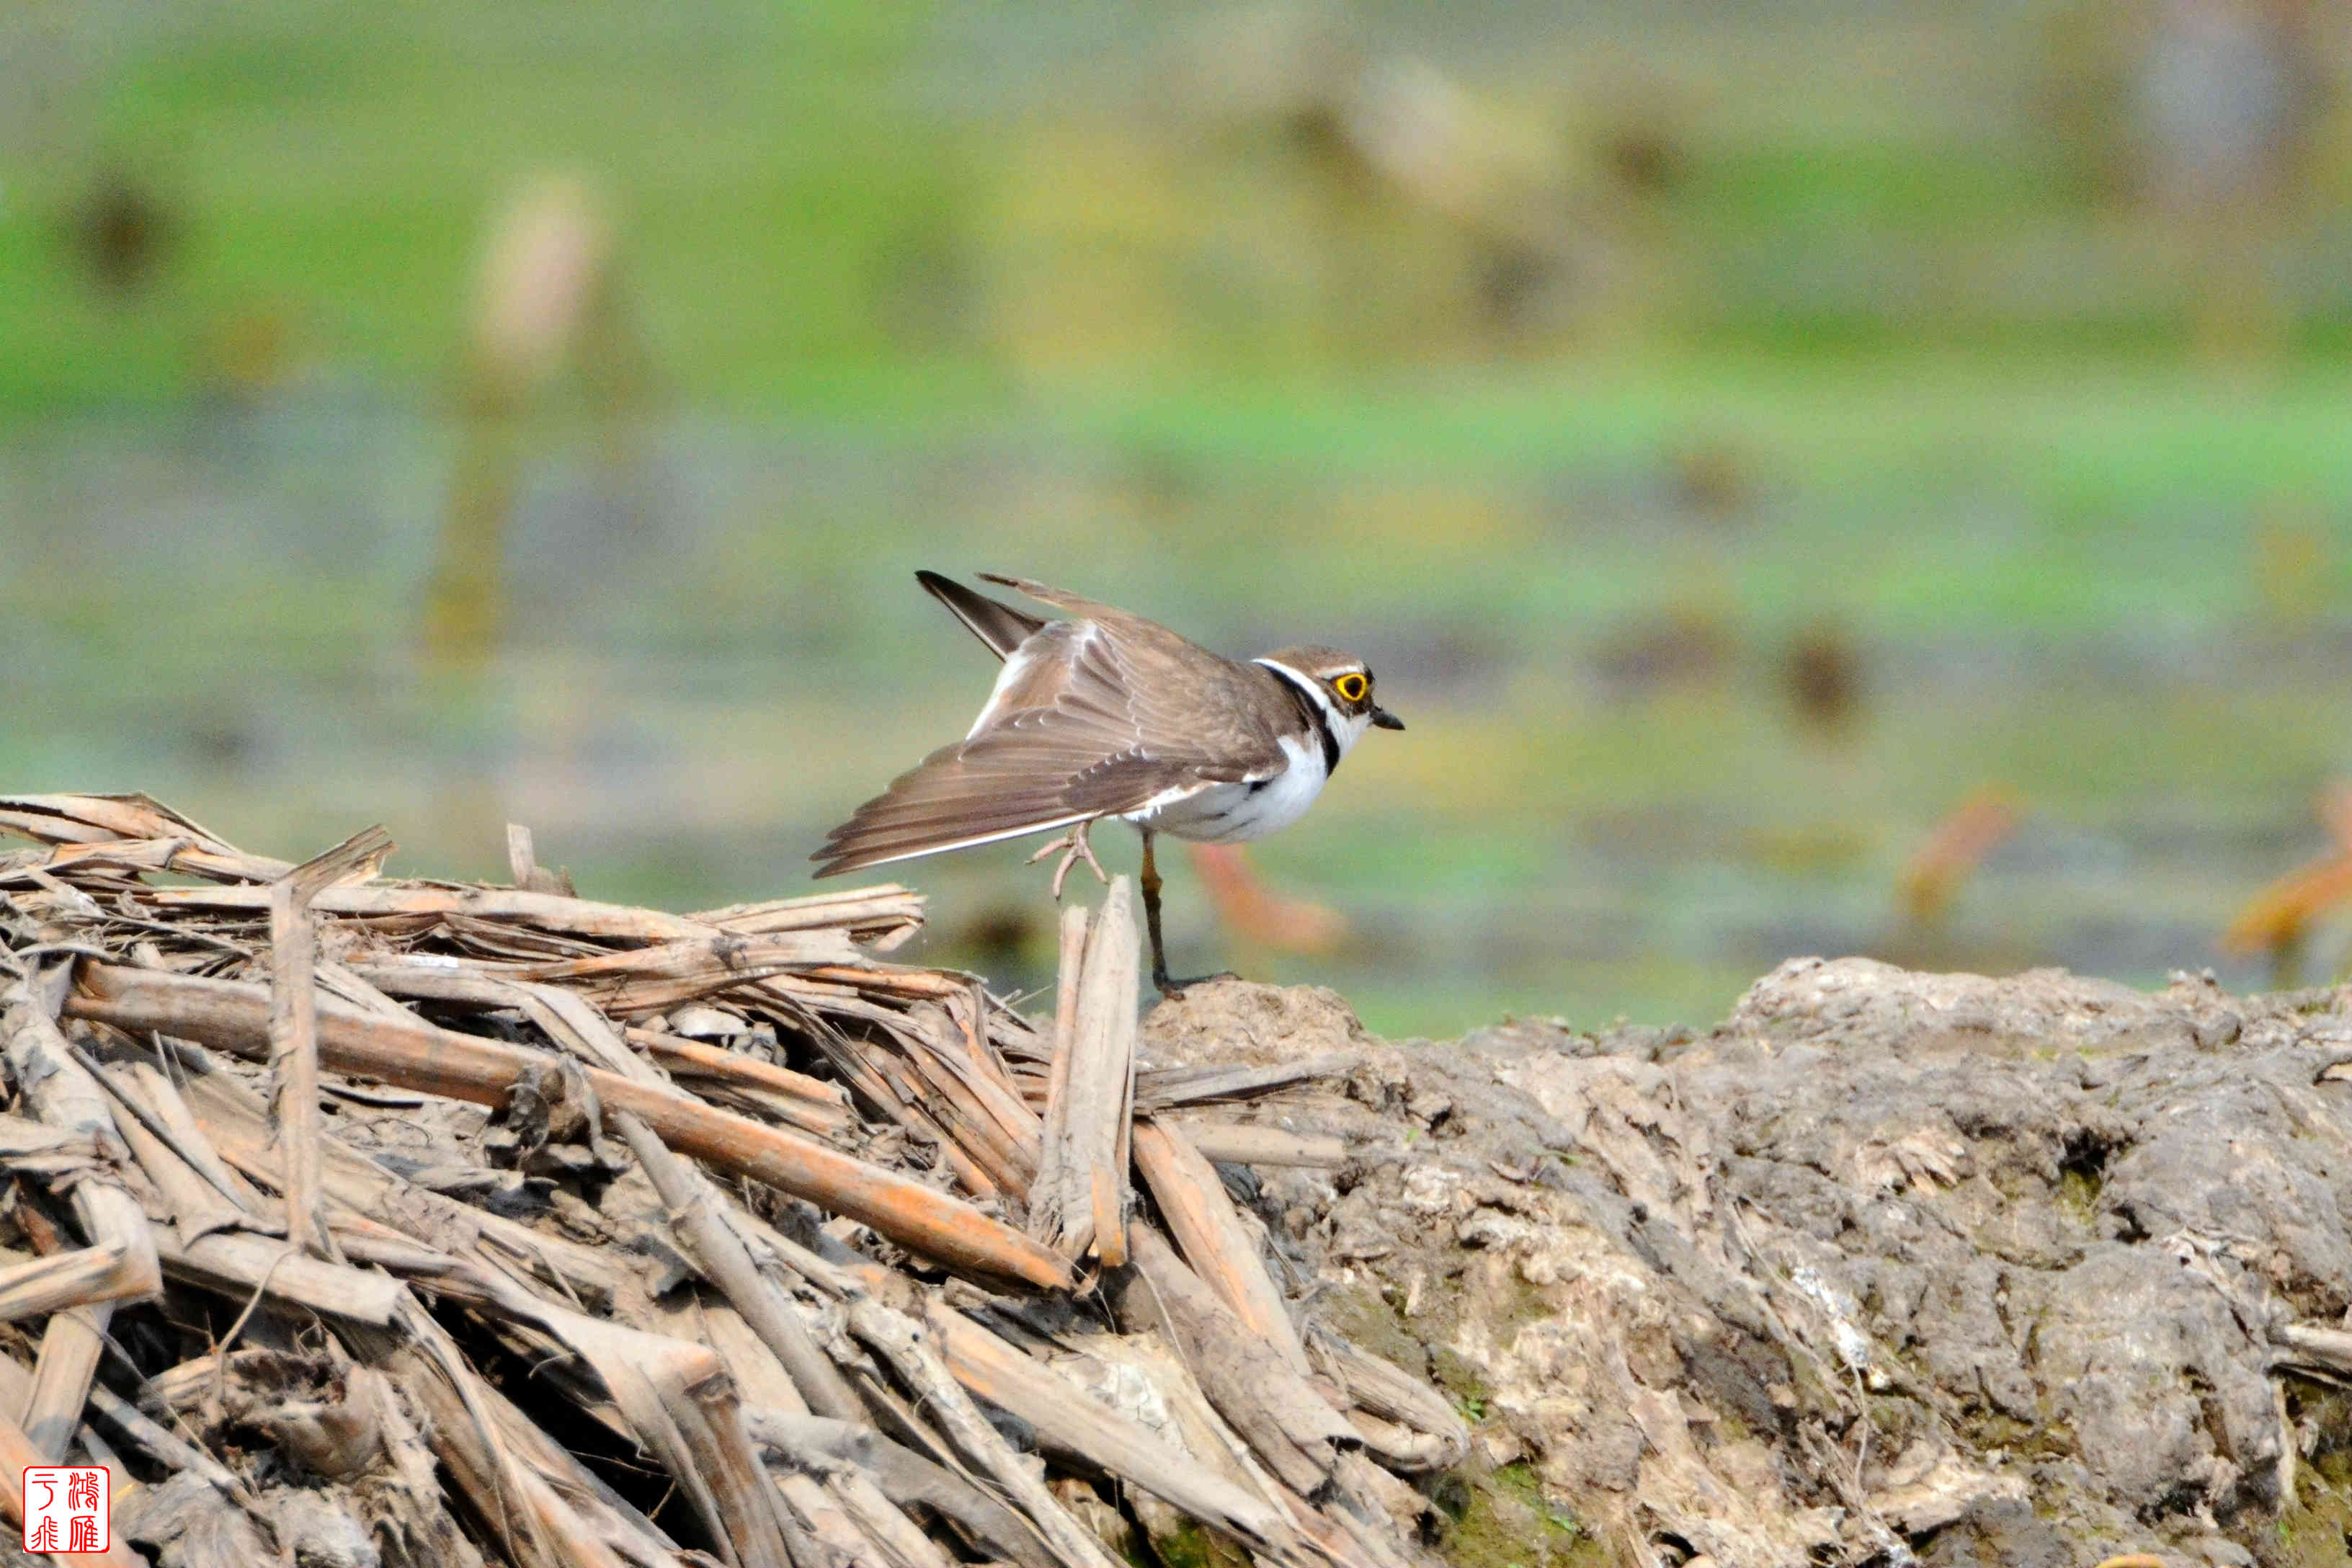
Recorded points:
1353,686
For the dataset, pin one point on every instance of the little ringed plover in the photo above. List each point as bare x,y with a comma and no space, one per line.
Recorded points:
1108,714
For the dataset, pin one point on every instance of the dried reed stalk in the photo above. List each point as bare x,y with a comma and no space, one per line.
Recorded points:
1079,1199
1252,1143
62,1094
906,1345
813,1406
721,1251
1193,1203
1078,1426
1288,1426
294,1025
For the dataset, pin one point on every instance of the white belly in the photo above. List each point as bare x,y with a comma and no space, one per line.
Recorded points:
1228,813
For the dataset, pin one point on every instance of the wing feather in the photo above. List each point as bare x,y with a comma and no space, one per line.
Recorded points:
1094,716
995,622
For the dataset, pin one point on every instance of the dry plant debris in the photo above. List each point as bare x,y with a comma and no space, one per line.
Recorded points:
371,1221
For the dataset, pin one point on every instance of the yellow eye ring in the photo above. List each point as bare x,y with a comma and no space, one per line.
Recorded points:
1351,687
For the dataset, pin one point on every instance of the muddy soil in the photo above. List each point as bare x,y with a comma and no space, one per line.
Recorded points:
1886,1268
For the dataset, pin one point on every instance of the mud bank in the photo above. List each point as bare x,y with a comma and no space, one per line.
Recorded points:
1885,1267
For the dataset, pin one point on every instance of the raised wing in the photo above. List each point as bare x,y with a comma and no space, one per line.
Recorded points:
1082,723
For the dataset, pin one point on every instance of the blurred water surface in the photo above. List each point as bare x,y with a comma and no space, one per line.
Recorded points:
1612,798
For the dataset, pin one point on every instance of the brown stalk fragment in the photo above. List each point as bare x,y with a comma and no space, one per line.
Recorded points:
702,1226
1253,1144
1077,1425
1408,1423
294,1024
534,1501
1193,1203
682,1406
62,1094
1078,1202
1290,1427
815,1443
907,1344
1164,1088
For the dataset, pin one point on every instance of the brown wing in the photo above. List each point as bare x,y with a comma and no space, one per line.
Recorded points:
1091,718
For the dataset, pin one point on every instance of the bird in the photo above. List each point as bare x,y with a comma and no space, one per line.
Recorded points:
1106,714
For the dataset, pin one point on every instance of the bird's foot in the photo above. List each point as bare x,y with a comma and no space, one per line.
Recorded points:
1173,989
1073,847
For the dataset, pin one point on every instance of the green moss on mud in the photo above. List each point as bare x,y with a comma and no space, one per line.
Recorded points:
2023,1440
2313,1533
1368,1322
1422,1346
1508,1522
1192,1547
2078,1194
2316,1532
1498,1518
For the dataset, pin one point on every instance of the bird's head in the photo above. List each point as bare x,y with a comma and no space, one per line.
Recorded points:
1341,684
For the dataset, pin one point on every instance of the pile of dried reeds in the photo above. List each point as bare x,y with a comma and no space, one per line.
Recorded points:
367,1221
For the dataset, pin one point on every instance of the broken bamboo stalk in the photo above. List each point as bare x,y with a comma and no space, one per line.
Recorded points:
1078,1202
294,1023
1429,1434
522,865
204,1193
473,1431
902,1544
679,1401
826,1536
882,916
236,1121
824,1103
904,1476
1074,923
164,1445
106,821
1192,1201
239,1264
809,1104
1253,1144
905,1343
64,1279
1164,1088
545,911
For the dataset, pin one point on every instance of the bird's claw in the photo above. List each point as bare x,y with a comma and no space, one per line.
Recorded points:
1175,989
1073,847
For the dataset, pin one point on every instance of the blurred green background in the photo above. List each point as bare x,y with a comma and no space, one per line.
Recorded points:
1742,438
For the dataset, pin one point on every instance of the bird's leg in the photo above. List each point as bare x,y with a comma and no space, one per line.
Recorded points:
1073,847
1150,880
